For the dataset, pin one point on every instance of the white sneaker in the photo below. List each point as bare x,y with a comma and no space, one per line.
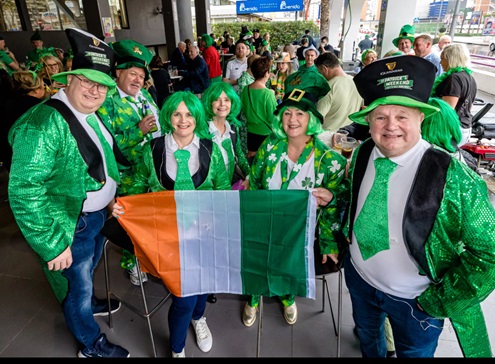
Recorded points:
249,315
290,314
182,354
203,334
134,278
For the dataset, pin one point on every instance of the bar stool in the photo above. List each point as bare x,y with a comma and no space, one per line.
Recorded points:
116,235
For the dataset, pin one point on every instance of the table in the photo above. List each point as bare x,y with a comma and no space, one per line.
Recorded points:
175,80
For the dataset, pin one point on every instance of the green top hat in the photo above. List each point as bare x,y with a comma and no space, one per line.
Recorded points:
402,80
93,59
132,54
406,32
302,100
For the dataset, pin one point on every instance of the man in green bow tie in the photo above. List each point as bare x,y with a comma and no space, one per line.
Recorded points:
420,224
131,114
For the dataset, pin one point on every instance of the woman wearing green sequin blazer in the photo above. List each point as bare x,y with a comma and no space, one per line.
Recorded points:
293,158
186,130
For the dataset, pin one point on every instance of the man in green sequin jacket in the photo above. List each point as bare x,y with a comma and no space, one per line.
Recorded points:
437,256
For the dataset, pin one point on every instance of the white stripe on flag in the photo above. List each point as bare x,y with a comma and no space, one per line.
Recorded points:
210,241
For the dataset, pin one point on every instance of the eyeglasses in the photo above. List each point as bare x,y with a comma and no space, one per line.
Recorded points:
88,85
52,65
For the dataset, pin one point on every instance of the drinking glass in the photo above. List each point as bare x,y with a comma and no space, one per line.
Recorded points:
338,139
348,146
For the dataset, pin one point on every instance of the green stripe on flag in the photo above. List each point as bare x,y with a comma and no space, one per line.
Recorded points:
274,255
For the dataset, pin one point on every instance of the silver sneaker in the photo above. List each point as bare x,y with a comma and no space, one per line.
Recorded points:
134,278
290,314
249,315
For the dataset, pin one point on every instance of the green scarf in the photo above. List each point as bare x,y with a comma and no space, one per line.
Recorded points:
444,75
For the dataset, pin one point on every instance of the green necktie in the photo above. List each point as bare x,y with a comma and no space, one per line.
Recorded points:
112,168
183,180
227,145
371,226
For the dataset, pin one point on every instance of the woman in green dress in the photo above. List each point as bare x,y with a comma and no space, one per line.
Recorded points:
292,157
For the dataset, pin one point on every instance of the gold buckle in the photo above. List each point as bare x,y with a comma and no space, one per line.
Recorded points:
296,95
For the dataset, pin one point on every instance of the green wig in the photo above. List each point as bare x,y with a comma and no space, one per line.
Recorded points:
314,124
442,128
195,108
213,92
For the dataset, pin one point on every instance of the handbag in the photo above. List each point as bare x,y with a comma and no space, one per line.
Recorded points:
330,266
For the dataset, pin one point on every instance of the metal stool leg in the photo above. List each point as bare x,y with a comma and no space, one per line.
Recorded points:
260,328
146,313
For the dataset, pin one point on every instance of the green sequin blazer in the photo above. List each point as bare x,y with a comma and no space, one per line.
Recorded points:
449,230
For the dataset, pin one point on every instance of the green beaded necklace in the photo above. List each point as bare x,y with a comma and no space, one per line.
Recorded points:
444,75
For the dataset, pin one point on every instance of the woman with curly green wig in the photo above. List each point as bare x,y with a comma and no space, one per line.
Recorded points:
222,104
293,158
184,158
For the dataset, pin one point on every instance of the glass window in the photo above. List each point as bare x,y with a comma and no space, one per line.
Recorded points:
47,15
118,14
9,16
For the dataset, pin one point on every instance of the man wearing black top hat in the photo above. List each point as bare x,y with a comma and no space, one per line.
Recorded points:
38,50
420,224
64,173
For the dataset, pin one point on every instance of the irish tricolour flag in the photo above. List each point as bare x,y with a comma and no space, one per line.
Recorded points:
241,242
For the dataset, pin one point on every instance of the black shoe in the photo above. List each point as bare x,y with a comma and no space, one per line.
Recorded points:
212,298
100,307
103,349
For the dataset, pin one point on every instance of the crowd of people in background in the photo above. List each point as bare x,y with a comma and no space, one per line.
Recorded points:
271,110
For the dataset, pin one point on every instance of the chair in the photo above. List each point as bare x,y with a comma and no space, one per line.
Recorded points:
116,234
321,273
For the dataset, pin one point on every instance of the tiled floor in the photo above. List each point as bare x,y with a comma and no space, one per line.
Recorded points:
32,323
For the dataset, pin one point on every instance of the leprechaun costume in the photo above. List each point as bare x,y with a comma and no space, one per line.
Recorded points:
122,113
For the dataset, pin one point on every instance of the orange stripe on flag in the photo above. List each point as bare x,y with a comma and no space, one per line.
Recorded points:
157,233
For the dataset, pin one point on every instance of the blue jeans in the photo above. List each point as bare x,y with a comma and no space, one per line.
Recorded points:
415,332
181,311
87,249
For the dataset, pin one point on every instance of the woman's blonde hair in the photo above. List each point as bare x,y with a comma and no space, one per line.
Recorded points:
44,73
25,82
457,55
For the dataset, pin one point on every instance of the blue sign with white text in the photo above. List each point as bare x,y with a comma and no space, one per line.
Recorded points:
268,6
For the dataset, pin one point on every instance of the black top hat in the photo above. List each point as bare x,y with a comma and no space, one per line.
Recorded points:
93,58
403,80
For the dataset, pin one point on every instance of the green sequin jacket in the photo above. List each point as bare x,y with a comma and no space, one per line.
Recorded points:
48,184
458,252
151,178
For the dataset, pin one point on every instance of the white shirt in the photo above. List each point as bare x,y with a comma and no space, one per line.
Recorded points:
95,200
171,146
234,69
392,271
